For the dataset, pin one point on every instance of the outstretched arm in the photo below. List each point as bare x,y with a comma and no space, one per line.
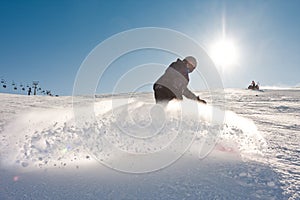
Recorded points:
190,95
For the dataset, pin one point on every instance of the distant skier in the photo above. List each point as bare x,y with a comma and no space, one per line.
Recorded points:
29,90
173,83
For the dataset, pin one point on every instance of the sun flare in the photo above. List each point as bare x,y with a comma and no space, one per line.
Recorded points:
224,53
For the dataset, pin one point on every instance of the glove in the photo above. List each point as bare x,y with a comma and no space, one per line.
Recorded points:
201,100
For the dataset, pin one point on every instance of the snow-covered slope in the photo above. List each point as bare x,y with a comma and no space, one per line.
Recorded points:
132,149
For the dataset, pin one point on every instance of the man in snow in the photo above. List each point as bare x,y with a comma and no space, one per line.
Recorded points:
173,83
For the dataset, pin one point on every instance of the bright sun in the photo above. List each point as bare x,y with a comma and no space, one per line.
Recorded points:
224,53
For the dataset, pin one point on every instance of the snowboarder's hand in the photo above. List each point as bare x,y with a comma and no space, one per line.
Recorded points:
201,100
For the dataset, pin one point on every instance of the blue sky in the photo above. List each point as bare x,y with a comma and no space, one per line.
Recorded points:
48,40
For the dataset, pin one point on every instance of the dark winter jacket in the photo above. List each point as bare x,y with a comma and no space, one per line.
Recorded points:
176,79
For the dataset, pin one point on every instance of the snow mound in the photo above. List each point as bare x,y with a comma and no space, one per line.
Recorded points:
123,135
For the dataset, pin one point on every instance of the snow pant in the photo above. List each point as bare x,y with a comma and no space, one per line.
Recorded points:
162,94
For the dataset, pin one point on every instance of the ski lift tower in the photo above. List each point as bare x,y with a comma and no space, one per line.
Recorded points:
35,84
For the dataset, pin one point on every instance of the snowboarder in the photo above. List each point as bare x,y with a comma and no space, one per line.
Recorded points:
173,83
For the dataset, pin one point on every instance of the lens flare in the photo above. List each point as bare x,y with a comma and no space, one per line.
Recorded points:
16,178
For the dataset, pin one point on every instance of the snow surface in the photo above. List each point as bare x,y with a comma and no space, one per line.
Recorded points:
127,151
